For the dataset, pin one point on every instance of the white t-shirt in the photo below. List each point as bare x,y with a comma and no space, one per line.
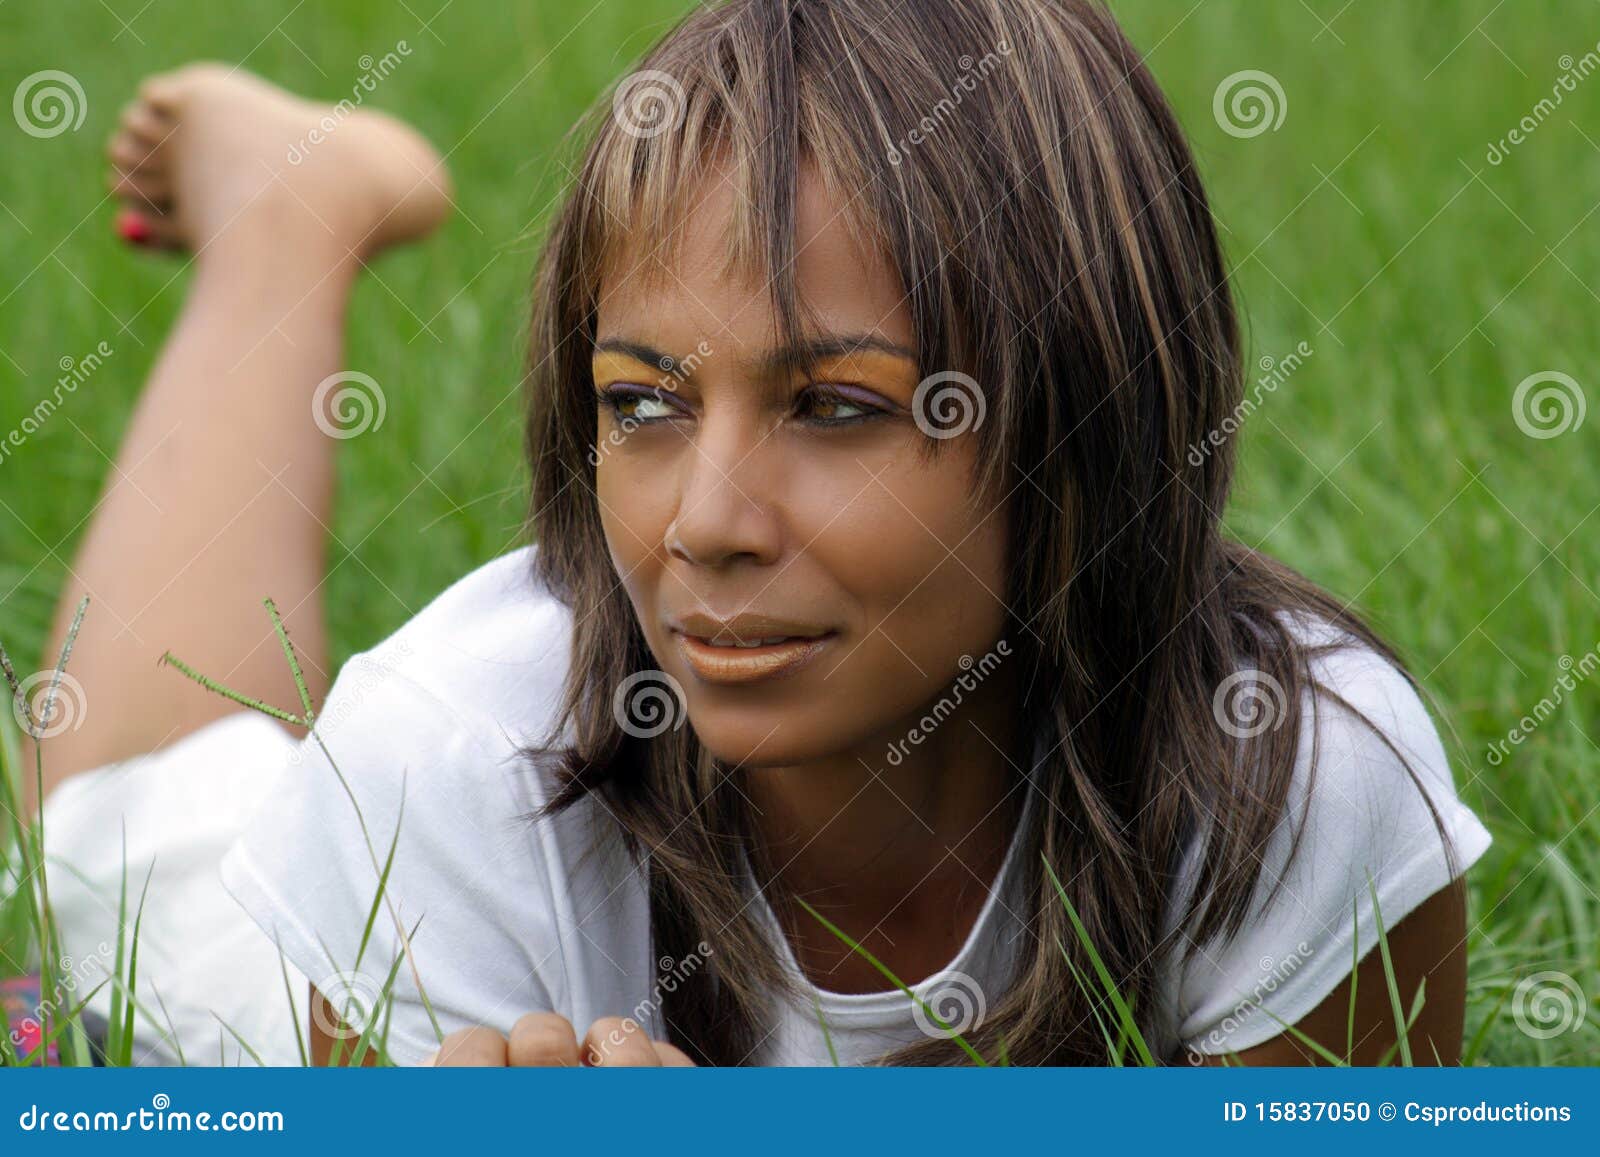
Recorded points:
511,915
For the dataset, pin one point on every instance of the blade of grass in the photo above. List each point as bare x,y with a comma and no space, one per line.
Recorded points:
1123,1011
1401,1026
294,1007
884,970
244,1044
1481,1037
827,1037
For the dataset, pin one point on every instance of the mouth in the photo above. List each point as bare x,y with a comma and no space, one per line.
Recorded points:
749,650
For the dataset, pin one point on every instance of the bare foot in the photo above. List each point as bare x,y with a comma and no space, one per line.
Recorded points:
207,153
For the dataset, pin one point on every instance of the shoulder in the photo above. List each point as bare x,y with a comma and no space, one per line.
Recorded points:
1373,826
416,789
493,646
1370,757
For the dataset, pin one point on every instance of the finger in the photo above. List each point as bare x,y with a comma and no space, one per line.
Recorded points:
613,1042
472,1048
542,1040
672,1057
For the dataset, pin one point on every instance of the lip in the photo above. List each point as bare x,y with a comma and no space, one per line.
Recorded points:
730,665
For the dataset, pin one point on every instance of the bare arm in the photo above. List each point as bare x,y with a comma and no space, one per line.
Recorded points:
1429,943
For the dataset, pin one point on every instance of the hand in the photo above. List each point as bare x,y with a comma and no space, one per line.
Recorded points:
547,1040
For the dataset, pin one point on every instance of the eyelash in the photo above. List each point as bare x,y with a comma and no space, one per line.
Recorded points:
615,397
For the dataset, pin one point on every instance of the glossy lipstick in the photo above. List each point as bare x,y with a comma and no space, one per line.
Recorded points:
746,648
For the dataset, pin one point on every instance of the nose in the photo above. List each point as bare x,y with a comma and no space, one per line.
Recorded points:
724,513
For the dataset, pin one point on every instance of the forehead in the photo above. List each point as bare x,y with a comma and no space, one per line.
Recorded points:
674,295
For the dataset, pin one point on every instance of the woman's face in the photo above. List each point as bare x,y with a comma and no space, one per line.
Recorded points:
808,577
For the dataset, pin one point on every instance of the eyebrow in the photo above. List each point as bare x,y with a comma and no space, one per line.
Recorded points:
785,357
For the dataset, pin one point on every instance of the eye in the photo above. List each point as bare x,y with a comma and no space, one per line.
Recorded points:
638,403
830,405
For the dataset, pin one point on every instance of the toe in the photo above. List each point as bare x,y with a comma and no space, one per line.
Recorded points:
148,229
143,190
145,124
129,153
163,92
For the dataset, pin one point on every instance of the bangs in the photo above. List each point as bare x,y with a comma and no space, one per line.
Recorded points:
705,111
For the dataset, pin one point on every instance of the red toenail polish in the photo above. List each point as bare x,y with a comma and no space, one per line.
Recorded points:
132,227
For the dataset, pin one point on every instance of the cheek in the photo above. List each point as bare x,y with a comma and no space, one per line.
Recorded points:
635,509
926,563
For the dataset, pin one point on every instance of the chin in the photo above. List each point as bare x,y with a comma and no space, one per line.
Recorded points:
758,739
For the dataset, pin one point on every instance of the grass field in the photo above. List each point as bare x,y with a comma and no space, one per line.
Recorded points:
1427,261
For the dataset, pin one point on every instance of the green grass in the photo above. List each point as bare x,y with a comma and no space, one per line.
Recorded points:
1370,225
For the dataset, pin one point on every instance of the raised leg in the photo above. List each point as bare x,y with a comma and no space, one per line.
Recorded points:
222,489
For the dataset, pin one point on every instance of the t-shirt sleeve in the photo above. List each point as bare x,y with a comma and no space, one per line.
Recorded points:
1366,819
400,782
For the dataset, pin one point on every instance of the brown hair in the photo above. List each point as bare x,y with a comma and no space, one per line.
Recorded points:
1021,170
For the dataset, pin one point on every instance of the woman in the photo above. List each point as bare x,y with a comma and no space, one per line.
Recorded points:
880,622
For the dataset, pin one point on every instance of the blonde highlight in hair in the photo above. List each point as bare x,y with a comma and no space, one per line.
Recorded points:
1055,243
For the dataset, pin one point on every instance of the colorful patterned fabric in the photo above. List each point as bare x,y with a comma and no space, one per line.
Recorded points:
20,1000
